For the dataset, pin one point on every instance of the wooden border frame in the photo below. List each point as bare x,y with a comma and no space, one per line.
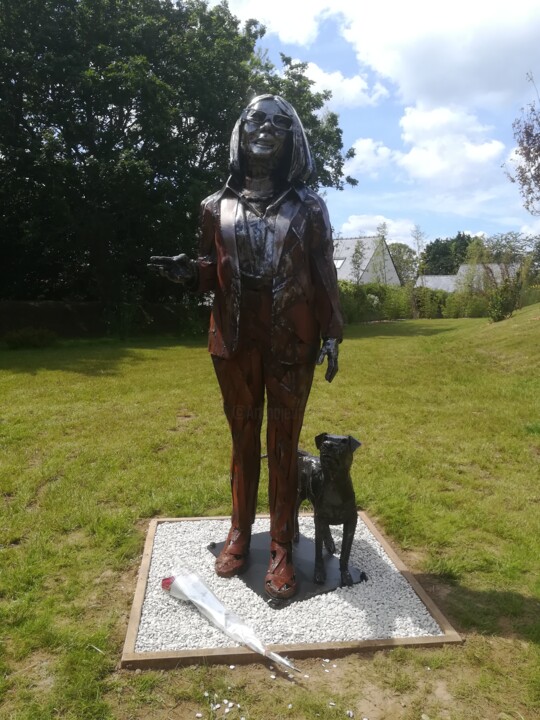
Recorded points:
241,655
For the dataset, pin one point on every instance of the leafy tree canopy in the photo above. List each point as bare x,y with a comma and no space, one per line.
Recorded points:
406,261
508,247
510,250
527,171
444,256
115,119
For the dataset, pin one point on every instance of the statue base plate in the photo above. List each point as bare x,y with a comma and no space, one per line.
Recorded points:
390,609
304,558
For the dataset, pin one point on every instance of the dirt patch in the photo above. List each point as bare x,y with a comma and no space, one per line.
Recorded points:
79,538
183,419
35,674
116,589
401,684
321,689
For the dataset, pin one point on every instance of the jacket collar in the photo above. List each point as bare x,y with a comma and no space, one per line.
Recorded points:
233,186
286,213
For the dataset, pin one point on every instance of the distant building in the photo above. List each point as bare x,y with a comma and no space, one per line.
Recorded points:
437,282
479,276
376,263
476,277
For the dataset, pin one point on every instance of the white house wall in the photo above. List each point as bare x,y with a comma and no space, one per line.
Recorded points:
380,270
372,268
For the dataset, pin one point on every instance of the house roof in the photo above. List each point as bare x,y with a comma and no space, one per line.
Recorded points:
467,273
343,253
498,271
437,282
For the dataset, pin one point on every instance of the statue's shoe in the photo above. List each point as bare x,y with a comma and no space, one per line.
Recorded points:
280,580
233,556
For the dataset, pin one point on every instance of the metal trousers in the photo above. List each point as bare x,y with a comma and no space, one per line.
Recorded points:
244,379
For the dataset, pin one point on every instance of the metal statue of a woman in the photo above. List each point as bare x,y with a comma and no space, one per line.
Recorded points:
266,252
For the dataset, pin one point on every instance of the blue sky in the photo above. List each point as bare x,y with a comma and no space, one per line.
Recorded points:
426,92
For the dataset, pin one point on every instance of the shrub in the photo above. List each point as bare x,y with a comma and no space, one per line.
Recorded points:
475,306
430,303
397,304
530,295
503,300
354,302
30,337
373,301
454,306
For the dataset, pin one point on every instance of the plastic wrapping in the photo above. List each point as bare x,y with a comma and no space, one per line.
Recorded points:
186,585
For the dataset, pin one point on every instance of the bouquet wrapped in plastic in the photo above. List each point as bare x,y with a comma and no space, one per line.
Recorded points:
188,586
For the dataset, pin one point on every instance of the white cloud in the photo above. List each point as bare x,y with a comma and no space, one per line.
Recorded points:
532,227
475,233
447,146
457,75
463,52
421,122
476,203
398,230
442,146
440,211
295,22
370,157
346,91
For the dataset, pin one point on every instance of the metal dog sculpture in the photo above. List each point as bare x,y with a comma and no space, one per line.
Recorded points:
326,483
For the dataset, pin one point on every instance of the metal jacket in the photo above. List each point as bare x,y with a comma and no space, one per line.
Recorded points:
305,302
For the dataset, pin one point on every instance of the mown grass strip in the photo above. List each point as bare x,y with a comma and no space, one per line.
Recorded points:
96,437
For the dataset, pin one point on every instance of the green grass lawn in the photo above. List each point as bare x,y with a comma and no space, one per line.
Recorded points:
97,437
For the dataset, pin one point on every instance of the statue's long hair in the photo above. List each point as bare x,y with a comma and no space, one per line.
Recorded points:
301,166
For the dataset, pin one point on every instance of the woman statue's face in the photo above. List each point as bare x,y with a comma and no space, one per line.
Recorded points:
265,132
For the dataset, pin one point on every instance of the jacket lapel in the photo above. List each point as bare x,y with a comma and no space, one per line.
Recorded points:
228,208
227,223
287,217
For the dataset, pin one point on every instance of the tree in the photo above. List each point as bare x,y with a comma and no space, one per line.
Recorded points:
500,266
357,261
527,171
419,239
115,119
534,267
113,135
406,261
443,257
509,247
511,253
379,256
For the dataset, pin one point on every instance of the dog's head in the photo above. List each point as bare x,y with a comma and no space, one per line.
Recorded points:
336,451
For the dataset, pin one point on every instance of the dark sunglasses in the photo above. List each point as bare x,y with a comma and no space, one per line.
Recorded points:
259,117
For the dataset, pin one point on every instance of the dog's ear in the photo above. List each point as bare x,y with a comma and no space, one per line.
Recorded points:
320,439
354,444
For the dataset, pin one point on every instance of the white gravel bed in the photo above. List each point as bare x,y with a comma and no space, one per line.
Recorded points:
384,607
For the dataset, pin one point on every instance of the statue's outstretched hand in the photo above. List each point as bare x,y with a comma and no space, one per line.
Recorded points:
329,349
179,269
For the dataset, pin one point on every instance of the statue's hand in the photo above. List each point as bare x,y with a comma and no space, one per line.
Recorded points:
179,269
329,349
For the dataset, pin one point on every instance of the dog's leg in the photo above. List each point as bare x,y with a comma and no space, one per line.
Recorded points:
328,540
299,500
319,575
349,527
